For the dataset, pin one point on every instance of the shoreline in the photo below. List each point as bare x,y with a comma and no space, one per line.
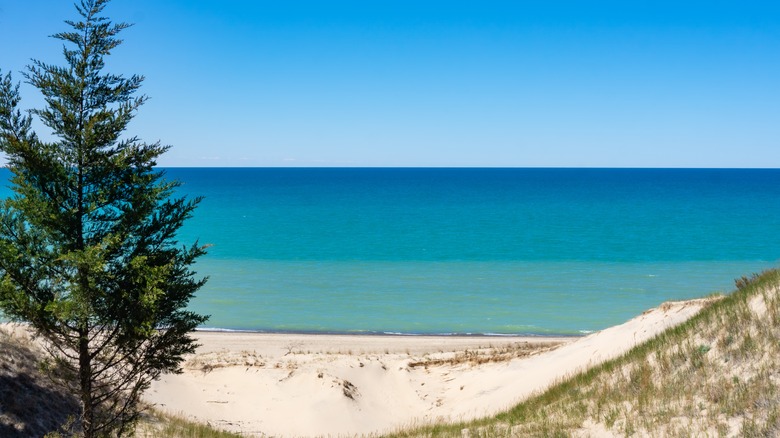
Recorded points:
299,344
393,334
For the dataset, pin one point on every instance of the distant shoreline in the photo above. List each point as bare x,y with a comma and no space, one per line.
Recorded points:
389,334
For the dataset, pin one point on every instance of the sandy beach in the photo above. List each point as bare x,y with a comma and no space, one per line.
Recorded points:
331,385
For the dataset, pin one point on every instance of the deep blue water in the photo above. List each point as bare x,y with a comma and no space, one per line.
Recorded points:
471,250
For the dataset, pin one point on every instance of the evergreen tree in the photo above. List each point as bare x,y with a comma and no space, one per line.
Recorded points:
88,250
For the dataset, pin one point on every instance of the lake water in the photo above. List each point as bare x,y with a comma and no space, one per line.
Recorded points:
482,251
501,251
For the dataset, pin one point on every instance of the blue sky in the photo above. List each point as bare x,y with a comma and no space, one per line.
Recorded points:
439,83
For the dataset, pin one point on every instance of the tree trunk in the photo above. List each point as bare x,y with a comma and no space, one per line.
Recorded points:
85,379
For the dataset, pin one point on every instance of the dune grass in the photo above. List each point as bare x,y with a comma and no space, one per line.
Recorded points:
717,374
163,425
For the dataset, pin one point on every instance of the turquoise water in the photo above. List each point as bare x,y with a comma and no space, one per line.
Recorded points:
499,251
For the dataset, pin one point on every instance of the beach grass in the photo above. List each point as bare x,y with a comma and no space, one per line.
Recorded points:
157,424
717,374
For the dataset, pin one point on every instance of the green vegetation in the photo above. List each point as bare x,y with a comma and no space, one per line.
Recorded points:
88,255
717,374
161,425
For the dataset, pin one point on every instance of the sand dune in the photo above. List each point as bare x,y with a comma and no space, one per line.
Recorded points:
321,385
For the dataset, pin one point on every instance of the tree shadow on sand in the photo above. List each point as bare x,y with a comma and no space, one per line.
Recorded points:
31,405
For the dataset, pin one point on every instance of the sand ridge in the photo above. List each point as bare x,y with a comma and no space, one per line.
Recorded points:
331,385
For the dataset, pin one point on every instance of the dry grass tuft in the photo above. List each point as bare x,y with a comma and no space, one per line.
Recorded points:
207,362
487,355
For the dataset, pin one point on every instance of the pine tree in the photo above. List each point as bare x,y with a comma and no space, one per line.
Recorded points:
88,250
